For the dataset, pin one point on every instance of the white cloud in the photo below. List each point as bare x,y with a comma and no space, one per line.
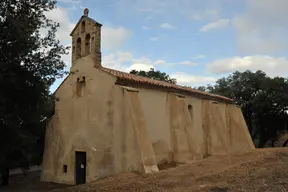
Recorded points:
159,62
154,39
114,37
139,66
263,27
124,56
117,60
188,63
192,80
142,63
271,65
166,26
221,23
125,61
61,16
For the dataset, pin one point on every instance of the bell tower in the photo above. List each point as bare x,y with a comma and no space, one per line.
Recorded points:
86,42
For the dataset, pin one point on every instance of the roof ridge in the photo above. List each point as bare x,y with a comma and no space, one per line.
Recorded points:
130,74
79,21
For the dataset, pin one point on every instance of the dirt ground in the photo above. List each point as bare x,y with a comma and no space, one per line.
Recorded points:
263,170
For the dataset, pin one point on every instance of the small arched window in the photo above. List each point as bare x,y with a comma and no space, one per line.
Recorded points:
87,44
80,86
83,26
78,48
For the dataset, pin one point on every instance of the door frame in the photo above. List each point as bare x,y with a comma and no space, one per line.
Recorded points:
75,165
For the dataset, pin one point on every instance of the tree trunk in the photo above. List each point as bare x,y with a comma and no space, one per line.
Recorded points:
5,176
285,143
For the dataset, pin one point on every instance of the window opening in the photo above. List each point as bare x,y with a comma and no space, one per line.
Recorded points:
87,44
65,168
78,49
83,27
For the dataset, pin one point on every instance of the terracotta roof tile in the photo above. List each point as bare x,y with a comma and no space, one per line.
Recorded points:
144,80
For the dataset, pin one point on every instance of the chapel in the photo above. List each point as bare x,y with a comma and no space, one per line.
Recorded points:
108,122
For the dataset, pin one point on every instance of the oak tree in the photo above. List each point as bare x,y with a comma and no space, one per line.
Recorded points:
30,61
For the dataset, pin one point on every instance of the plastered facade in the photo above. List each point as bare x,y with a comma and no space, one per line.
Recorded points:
124,129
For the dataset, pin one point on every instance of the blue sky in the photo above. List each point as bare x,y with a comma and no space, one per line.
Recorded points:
194,41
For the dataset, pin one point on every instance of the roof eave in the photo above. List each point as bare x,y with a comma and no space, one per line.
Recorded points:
125,82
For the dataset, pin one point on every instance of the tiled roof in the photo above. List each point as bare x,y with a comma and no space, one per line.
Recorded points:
127,77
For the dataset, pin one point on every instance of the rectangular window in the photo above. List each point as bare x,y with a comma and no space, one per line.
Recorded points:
64,168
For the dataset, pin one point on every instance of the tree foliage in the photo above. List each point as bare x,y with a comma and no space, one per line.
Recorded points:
157,75
264,102
30,61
